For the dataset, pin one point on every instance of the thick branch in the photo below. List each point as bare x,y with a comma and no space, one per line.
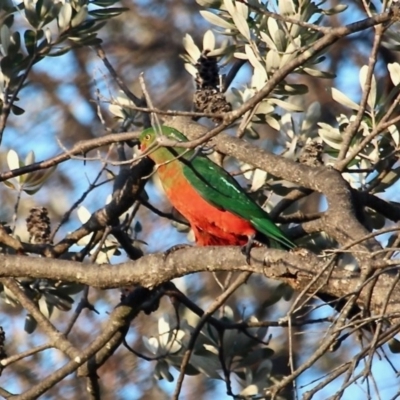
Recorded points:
295,268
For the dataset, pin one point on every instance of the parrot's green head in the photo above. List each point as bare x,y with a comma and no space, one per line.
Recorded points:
147,138
151,141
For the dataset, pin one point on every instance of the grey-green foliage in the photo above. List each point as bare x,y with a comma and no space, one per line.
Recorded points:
55,28
31,182
267,44
239,350
376,157
46,294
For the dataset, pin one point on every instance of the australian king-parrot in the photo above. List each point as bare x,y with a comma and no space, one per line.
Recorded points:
217,208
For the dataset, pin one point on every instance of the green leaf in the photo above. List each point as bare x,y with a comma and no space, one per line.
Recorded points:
286,106
44,10
60,52
10,185
15,44
286,8
209,40
273,60
265,107
30,41
249,391
254,61
138,227
331,136
13,160
80,17
317,73
162,371
292,88
372,93
104,3
86,40
17,110
45,308
59,300
265,38
5,38
9,20
311,117
30,13
255,356
280,41
210,3
108,13
388,180
47,35
335,10
394,71
191,48
208,365
273,27
239,16
341,98
6,65
64,17
272,122
216,20
88,24
38,8
34,180
394,345
54,12
30,324
70,288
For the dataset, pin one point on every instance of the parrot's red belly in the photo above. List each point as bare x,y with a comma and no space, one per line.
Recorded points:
212,226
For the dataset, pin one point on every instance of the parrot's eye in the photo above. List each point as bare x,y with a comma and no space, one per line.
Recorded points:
147,137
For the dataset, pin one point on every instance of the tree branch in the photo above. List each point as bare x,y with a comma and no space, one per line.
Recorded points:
119,319
296,268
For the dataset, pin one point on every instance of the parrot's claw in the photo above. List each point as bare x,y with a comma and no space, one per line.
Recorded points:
175,248
246,249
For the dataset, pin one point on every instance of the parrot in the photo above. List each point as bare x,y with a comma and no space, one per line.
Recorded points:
218,209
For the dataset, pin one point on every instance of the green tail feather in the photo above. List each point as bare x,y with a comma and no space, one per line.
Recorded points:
272,234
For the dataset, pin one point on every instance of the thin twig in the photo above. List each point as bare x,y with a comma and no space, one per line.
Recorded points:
102,55
352,129
12,359
7,107
217,303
